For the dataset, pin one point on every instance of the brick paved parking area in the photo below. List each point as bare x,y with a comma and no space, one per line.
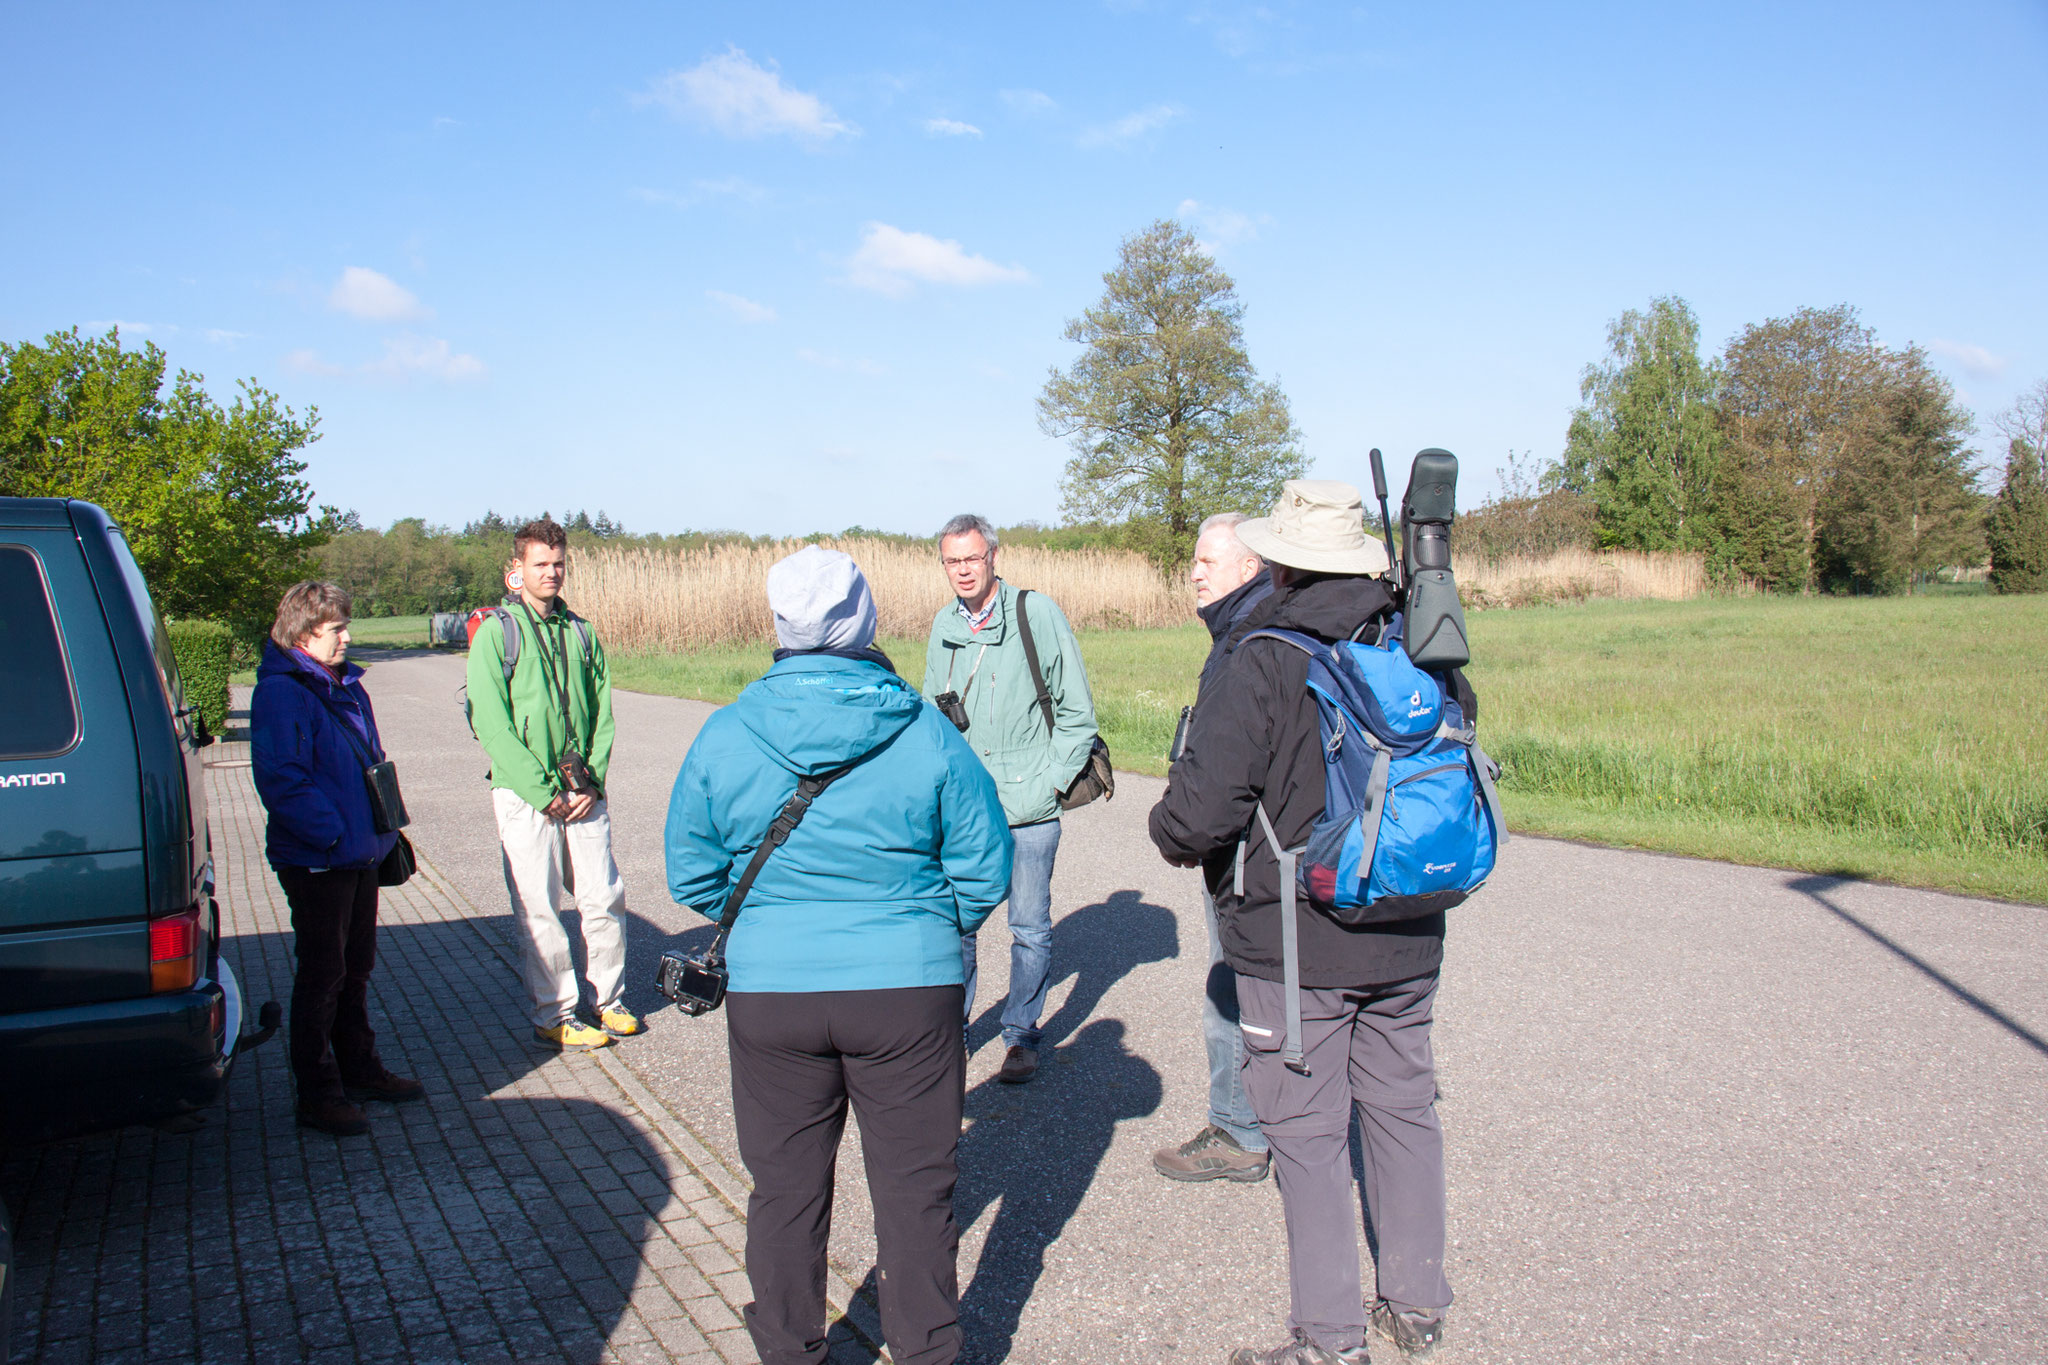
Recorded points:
534,1207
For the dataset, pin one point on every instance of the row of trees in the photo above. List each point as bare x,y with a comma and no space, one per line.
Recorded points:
1805,456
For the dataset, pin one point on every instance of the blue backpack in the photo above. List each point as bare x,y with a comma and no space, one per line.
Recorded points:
1411,822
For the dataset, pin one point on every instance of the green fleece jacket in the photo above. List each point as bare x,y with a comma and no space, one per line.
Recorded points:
520,722
1006,726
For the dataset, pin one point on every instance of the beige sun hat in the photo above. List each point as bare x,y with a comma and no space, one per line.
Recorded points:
1318,525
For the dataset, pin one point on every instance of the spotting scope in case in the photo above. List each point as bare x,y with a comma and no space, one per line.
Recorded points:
1433,622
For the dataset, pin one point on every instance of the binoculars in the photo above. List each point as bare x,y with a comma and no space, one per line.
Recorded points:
1433,622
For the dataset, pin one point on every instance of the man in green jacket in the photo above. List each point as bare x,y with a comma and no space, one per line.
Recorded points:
547,726
976,654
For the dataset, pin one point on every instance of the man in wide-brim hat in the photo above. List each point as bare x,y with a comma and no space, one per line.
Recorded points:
1366,992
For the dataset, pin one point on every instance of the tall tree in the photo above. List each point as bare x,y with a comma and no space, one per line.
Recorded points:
1168,420
1903,500
1795,394
210,497
1644,442
2016,527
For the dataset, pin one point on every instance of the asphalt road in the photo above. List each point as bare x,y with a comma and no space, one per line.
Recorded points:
1694,1112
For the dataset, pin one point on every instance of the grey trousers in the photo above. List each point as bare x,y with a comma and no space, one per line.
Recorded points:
1366,1048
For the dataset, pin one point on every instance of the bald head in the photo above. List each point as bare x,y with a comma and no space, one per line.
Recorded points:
1222,563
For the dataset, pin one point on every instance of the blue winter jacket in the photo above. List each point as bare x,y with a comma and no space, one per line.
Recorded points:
307,770
892,863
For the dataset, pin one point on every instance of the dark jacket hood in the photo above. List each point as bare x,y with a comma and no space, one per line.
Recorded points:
280,662
1226,611
816,712
1329,608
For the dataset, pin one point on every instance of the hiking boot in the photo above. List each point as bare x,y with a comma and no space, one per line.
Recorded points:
1299,1350
619,1021
336,1118
572,1036
1020,1064
1211,1154
384,1085
1416,1331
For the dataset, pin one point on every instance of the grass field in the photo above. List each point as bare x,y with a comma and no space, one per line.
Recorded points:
1904,739
389,631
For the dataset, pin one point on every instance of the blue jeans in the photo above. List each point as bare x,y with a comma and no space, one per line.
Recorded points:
1230,1108
1034,847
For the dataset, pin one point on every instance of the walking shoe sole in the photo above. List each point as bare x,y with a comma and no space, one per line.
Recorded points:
1242,1175
551,1045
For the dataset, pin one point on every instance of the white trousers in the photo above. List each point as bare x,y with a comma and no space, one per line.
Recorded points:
534,848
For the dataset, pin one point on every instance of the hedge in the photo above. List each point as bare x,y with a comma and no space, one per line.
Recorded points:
202,649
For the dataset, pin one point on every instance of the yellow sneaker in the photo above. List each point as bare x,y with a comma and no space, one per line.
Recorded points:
620,1022
572,1036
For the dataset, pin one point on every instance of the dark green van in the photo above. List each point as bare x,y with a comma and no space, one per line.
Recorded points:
115,1004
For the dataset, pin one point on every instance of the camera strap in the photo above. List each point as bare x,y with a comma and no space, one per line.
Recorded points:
554,666
808,790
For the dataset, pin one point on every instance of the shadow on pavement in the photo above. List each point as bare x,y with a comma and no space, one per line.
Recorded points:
1098,945
1816,888
472,1224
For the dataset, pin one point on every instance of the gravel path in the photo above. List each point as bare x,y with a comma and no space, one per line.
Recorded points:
1695,1112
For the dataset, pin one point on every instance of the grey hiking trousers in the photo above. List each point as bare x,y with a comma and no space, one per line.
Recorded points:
1366,1047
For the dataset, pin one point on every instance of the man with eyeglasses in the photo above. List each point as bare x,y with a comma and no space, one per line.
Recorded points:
1034,746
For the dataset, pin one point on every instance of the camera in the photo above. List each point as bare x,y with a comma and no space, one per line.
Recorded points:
953,708
576,774
1435,630
696,984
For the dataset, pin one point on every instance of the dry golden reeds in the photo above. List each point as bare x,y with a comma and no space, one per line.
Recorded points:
662,600
1576,575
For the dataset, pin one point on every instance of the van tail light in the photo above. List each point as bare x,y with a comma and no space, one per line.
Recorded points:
174,951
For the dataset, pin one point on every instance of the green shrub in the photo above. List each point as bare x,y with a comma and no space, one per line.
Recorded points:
202,649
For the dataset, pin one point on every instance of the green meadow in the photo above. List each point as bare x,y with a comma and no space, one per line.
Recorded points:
1902,739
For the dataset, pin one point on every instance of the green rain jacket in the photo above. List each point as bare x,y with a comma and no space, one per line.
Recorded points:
1006,728
520,722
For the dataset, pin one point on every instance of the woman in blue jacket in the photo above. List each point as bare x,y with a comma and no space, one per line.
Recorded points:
845,958
311,735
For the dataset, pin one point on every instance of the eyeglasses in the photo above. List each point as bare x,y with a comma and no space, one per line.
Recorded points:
965,560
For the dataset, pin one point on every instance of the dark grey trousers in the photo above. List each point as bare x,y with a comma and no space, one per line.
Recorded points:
797,1060
1367,1048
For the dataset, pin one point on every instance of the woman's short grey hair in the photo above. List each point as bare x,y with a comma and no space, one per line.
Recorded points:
305,608
967,521
1228,521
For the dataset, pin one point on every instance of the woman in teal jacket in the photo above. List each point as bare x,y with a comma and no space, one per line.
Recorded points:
845,959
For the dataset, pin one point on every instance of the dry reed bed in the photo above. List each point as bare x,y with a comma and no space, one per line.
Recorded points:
669,601
654,600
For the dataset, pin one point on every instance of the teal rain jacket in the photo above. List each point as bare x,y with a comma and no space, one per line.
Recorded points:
892,864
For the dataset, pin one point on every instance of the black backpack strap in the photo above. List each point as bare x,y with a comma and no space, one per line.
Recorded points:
1031,657
808,790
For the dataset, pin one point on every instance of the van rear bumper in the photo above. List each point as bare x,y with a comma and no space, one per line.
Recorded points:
87,1067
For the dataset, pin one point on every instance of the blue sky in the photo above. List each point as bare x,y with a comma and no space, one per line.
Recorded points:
789,268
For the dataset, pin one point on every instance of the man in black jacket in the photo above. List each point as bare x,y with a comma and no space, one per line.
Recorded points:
1230,581
1366,992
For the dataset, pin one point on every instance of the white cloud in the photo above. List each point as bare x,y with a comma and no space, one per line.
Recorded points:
404,357
1973,360
745,309
432,357
138,329
741,98
1030,101
1220,228
947,127
221,336
366,294
700,191
1131,127
891,260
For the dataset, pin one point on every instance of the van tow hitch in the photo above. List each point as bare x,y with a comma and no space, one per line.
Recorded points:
267,1019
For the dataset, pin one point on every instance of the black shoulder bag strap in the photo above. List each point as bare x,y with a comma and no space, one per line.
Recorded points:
1031,657
807,790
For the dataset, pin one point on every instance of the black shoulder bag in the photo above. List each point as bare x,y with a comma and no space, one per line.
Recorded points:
1097,778
697,984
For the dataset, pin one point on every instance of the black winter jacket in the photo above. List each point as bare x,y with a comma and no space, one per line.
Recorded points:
1223,617
1254,738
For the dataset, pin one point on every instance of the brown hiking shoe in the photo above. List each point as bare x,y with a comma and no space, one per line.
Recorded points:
1299,1350
1414,1331
1020,1064
337,1118
385,1085
1211,1154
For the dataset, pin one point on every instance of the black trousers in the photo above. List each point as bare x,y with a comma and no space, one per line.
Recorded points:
797,1059
334,934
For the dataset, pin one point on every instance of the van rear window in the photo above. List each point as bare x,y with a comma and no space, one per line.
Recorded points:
38,713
